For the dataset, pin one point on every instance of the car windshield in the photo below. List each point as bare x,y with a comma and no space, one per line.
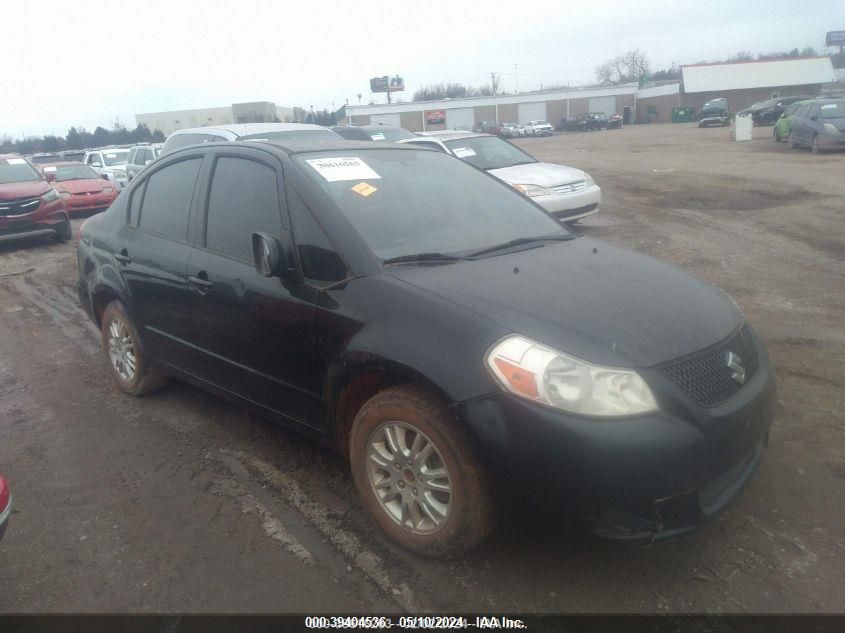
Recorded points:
389,134
835,110
293,135
17,170
115,157
45,158
74,172
405,202
488,152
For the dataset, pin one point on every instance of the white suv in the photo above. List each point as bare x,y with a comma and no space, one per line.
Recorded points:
539,128
111,162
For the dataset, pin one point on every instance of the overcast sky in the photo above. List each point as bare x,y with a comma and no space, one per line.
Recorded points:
88,63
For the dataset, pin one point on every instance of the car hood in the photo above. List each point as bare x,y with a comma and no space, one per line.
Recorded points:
17,190
543,174
593,300
86,185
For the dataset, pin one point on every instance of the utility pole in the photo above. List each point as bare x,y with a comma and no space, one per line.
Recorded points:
515,81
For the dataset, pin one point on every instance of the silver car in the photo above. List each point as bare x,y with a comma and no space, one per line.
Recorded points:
567,193
247,132
110,162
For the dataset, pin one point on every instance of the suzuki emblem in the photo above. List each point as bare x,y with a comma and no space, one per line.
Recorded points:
734,362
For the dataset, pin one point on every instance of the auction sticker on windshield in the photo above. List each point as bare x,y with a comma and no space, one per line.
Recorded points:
16,161
343,168
378,136
463,152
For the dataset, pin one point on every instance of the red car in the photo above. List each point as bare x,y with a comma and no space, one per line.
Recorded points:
5,505
29,206
82,188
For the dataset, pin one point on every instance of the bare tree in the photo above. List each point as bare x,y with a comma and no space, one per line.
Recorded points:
627,68
741,56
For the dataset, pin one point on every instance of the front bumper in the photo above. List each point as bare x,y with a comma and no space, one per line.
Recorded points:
571,206
47,220
95,202
4,517
639,479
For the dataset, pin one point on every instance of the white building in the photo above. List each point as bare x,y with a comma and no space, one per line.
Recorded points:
254,112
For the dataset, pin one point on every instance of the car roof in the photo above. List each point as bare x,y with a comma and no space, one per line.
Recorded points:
449,135
12,155
245,129
302,147
61,163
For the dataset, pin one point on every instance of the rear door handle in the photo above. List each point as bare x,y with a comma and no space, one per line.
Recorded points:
204,285
123,258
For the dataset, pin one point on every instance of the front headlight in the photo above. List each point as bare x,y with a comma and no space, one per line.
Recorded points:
50,196
535,372
108,190
532,191
831,128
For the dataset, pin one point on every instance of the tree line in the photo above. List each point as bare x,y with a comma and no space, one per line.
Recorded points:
80,138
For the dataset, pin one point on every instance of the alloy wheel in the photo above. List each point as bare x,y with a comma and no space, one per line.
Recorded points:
121,350
409,477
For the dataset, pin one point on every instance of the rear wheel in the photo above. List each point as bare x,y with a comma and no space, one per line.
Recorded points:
816,148
776,135
129,366
790,142
418,474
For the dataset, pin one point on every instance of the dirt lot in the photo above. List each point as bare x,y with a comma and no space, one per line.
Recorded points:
181,502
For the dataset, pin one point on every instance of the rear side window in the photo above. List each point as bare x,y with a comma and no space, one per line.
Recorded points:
135,204
167,200
244,199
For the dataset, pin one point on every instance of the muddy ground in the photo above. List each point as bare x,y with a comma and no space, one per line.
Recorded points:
181,502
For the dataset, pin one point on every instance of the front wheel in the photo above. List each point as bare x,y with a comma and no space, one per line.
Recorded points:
816,147
418,474
65,232
776,134
130,368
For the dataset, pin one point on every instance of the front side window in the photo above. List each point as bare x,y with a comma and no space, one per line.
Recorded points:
318,258
244,199
93,159
488,152
167,201
406,202
17,170
834,110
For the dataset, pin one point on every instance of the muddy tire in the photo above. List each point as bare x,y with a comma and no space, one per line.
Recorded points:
129,367
790,142
418,475
815,147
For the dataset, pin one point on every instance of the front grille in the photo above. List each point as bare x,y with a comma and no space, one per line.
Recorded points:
19,207
706,377
572,187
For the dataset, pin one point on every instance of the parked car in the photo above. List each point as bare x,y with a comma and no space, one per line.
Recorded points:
29,206
614,122
521,129
767,112
585,122
510,130
538,128
110,162
44,157
140,156
780,132
372,132
568,194
715,108
438,328
247,132
72,155
81,188
488,127
820,125
5,505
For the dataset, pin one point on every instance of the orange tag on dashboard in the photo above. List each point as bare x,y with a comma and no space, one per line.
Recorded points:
364,189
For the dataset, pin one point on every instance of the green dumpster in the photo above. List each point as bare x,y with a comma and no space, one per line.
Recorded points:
682,115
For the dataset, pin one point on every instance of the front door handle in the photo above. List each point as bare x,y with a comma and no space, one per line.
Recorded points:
204,285
122,257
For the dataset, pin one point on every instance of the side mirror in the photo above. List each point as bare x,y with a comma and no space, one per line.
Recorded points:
105,176
50,176
272,258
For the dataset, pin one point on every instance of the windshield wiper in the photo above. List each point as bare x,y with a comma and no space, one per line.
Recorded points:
556,237
422,257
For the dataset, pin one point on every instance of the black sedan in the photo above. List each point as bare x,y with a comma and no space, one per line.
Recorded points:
438,328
